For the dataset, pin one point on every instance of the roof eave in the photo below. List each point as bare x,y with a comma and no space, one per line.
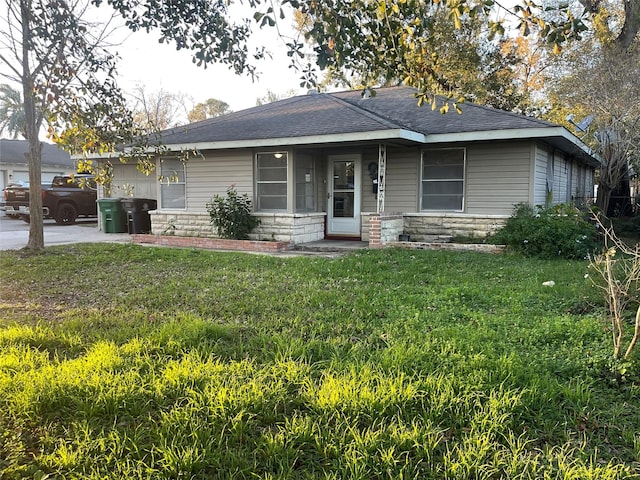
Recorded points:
368,136
542,133
394,134
560,134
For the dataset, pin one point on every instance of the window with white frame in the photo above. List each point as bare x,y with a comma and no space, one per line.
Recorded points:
271,181
172,184
443,179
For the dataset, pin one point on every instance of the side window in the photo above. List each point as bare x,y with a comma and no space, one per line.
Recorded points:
443,179
305,192
271,181
64,182
172,184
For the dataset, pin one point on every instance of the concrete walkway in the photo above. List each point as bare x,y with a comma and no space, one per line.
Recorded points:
331,246
14,234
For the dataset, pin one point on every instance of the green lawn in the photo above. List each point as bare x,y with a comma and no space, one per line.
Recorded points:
120,361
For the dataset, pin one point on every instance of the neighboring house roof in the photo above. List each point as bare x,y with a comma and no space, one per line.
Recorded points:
392,115
13,151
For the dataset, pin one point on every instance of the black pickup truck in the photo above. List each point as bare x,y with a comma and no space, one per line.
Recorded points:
67,198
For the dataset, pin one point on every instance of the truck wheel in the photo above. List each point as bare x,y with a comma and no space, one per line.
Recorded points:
66,214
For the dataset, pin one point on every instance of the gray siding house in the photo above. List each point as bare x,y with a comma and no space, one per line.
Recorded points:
14,167
348,165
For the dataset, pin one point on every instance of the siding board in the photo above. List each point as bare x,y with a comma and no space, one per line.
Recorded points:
215,173
402,182
496,177
560,179
128,178
540,181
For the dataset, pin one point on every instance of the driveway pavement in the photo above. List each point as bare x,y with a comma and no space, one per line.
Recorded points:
14,234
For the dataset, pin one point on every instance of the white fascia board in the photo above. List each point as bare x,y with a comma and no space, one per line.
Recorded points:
376,135
96,156
371,136
511,134
503,134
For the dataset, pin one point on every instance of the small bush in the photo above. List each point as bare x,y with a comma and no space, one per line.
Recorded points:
558,231
231,215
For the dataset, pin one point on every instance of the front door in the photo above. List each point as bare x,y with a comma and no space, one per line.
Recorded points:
343,210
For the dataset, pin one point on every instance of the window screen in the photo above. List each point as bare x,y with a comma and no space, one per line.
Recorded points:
443,179
173,184
271,181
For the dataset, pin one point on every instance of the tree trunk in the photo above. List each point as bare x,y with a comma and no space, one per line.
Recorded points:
602,200
36,222
631,24
32,127
620,199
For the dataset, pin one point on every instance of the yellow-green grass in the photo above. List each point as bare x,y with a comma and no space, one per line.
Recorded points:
120,361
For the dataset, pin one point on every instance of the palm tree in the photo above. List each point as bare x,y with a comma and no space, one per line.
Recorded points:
12,120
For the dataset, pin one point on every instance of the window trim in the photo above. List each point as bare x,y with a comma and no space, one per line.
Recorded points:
423,180
313,183
163,183
286,181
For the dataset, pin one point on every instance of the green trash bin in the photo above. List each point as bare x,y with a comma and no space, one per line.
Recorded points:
112,215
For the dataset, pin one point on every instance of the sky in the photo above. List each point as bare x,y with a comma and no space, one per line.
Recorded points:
145,62
160,66
157,66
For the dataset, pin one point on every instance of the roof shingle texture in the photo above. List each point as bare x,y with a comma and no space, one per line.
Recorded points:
306,115
13,151
400,105
325,114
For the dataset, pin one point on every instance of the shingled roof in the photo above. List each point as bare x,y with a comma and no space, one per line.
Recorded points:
400,106
302,116
392,115
14,151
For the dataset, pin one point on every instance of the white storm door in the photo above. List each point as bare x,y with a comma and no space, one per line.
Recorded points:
343,209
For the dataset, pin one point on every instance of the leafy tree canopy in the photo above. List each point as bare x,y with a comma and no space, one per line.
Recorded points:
210,108
395,39
12,121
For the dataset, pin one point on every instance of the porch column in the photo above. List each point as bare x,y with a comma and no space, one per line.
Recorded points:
382,170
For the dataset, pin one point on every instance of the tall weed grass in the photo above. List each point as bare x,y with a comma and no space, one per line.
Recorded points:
130,362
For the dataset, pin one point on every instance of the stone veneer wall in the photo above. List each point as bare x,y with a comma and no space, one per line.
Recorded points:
427,227
290,227
181,224
297,228
282,227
